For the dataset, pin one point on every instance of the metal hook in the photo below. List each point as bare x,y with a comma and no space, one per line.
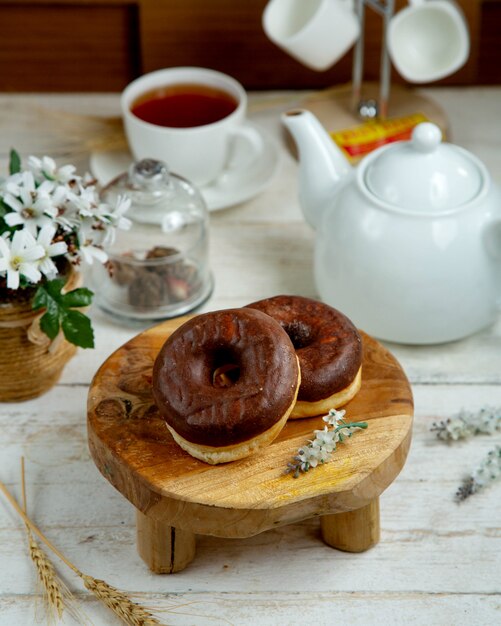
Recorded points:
368,109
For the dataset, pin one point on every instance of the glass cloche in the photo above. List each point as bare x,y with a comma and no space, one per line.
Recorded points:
159,267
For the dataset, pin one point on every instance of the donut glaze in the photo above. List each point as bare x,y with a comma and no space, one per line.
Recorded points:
327,344
265,387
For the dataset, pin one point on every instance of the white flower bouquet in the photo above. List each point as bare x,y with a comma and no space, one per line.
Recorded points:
50,220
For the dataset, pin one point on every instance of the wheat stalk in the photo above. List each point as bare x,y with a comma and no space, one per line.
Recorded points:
56,594
119,602
51,585
128,611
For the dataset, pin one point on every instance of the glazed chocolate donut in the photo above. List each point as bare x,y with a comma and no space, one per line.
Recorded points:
225,383
328,347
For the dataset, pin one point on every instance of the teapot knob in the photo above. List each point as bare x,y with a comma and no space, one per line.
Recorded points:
426,137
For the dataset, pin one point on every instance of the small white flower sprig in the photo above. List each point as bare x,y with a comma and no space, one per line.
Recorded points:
321,448
467,424
487,472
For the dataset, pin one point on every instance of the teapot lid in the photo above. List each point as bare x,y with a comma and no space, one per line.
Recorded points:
424,175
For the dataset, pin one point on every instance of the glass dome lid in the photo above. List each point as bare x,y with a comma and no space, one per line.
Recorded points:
159,268
424,175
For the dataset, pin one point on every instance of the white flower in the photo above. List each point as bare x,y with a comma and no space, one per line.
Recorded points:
113,218
487,472
67,214
96,233
324,454
90,231
88,251
11,183
20,258
98,225
490,421
83,200
333,418
16,183
308,457
490,468
46,168
44,239
326,439
457,429
32,207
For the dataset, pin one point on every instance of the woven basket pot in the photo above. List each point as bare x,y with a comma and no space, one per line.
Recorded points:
30,364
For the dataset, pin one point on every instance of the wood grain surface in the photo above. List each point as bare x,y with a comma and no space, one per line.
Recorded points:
132,448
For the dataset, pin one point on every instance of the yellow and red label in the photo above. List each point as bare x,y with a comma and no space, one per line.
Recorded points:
358,141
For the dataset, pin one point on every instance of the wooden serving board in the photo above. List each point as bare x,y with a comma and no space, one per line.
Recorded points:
133,449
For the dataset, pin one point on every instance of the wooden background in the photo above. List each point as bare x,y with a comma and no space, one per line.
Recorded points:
101,45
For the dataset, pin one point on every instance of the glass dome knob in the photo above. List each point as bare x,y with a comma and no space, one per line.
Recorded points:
149,173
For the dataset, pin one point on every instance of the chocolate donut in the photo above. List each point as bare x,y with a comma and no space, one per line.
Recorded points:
328,347
225,383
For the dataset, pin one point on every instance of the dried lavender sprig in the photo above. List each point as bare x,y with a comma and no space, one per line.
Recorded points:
468,424
320,449
486,473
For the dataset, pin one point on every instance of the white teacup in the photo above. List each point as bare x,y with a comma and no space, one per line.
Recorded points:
200,153
428,40
315,32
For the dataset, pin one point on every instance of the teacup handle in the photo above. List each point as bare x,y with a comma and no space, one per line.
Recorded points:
255,144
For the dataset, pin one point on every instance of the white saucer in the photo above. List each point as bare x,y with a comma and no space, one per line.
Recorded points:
234,186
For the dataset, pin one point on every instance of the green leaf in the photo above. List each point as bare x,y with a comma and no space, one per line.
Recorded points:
77,329
41,299
53,288
77,298
49,323
60,312
14,162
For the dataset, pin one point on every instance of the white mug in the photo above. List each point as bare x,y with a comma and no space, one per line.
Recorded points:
315,32
199,153
428,40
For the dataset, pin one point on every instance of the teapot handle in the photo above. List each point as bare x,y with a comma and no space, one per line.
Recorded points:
493,244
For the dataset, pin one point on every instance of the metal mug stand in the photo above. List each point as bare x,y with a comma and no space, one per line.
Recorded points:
368,109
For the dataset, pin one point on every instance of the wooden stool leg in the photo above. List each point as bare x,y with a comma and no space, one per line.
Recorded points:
163,548
354,531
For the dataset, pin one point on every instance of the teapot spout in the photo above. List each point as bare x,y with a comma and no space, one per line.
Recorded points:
322,164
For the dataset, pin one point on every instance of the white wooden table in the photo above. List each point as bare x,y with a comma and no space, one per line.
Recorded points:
437,563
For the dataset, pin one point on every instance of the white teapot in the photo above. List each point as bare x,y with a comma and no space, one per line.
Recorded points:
408,243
